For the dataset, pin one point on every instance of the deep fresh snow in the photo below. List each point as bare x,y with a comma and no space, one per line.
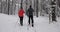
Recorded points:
10,23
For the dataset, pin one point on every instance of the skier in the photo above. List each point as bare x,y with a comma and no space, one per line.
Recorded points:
30,14
20,14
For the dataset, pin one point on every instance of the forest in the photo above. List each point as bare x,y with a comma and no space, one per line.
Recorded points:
41,7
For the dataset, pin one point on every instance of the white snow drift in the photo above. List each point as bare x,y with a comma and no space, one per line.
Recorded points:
10,23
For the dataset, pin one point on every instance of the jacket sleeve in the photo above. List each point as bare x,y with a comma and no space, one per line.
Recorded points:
33,10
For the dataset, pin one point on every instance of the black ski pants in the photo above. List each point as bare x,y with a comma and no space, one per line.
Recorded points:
31,17
21,20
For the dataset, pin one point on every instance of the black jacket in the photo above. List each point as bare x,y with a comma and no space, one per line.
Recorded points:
30,11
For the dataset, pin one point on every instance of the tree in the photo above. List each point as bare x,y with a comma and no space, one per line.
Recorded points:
34,6
42,1
0,7
8,6
37,8
21,3
53,10
26,6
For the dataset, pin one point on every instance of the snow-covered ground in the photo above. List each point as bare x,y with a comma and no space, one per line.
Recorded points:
9,23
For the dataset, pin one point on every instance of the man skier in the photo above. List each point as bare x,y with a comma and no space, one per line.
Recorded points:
30,14
21,14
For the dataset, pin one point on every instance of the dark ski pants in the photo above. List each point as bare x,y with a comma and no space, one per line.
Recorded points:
31,17
21,21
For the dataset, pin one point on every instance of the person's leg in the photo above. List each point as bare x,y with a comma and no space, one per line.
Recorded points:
32,21
29,20
22,21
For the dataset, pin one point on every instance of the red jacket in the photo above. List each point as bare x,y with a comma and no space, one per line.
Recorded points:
21,12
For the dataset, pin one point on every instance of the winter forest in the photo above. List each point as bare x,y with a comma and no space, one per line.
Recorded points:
45,18
41,7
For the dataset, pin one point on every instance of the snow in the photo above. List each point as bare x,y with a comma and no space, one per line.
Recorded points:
10,23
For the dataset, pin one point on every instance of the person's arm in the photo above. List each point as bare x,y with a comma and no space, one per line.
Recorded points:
27,10
33,10
23,11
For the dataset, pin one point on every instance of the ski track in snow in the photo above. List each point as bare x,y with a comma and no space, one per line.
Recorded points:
10,23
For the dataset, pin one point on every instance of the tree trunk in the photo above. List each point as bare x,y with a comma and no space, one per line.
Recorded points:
8,6
37,8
